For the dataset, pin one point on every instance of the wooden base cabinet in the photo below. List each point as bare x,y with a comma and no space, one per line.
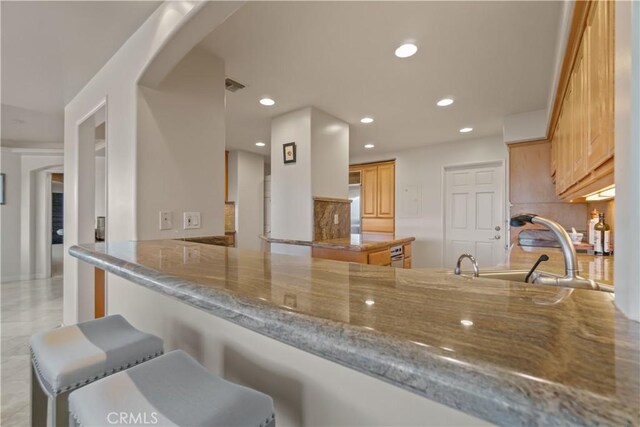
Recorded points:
373,257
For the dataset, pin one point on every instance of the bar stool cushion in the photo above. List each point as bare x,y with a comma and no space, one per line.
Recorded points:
172,389
72,356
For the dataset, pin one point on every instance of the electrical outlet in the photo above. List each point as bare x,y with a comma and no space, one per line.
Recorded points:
336,219
166,220
191,220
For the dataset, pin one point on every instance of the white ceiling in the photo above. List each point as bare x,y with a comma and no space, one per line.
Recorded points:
50,50
493,58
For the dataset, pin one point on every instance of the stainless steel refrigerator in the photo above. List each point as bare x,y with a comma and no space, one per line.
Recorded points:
354,196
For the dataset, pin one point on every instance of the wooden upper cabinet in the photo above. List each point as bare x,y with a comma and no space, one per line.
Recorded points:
369,200
377,196
553,157
560,142
386,190
580,133
611,88
583,141
599,90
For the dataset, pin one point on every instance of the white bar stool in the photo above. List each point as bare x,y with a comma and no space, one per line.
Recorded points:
64,359
170,390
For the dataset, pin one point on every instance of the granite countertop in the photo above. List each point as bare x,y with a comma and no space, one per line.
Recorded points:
209,240
533,355
356,242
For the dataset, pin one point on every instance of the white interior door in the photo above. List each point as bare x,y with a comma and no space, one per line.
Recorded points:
474,214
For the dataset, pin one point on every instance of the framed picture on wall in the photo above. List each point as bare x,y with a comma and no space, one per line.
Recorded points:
289,152
1,189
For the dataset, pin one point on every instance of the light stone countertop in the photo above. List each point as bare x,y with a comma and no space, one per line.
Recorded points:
355,242
524,355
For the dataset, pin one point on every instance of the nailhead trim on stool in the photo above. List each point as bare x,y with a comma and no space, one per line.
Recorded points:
72,356
64,359
174,390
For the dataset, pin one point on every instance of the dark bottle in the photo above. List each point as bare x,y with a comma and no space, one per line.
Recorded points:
602,243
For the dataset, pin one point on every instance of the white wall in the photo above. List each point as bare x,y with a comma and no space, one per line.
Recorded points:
627,160
24,219
153,49
291,197
31,165
246,189
422,168
181,142
564,28
321,169
329,156
10,217
529,126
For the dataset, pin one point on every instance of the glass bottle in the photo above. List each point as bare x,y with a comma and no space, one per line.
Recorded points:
590,226
601,237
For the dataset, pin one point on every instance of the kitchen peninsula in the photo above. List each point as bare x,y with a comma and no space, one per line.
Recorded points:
508,353
364,248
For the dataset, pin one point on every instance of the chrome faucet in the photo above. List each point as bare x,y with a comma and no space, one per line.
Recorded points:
474,265
571,277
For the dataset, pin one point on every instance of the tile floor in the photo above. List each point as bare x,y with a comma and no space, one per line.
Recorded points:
26,307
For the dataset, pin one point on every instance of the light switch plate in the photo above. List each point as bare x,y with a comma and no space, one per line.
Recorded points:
166,220
191,220
336,219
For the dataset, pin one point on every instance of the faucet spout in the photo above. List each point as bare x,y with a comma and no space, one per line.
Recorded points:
572,278
474,265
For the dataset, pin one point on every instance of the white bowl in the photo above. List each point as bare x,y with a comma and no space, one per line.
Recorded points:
576,238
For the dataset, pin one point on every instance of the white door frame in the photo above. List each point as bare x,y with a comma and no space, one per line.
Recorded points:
489,163
80,196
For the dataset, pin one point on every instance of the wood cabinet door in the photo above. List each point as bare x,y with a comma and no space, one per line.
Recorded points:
597,102
611,89
561,140
406,263
369,196
380,258
580,133
553,157
386,190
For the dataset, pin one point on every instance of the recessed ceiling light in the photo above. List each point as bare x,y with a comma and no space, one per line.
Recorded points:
466,322
444,102
260,144
369,145
366,120
267,101
369,302
465,130
406,50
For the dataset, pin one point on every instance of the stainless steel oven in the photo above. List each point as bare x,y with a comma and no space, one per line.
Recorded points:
397,256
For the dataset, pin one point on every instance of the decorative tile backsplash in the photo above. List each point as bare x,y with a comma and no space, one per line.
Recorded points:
324,212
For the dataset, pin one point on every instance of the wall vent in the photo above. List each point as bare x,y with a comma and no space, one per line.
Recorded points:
232,85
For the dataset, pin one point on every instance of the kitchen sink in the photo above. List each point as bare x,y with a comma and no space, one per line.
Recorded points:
520,275
512,275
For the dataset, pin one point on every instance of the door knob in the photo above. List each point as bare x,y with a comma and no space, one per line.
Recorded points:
497,228
497,237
